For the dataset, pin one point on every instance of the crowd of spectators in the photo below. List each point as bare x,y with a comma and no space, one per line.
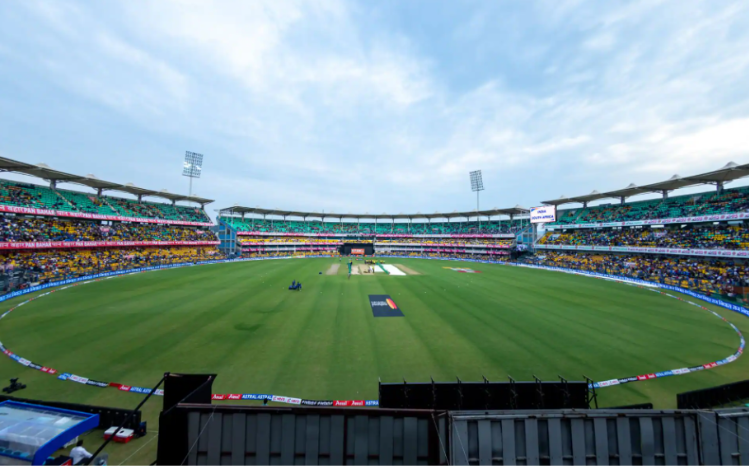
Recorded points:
285,240
28,229
700,204
710,276
380,229
722,236
457,242
452,241
49,265
34,196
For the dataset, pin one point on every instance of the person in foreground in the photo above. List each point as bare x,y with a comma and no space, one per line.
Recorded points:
79,454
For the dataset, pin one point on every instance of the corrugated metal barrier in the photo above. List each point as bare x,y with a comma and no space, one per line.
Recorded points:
600,437
574,438
236,435
724,436
314,436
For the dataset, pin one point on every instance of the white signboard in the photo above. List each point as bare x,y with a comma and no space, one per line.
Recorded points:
544,214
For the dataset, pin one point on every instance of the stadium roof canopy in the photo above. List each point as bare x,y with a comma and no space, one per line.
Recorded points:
236,209
729,172
43,171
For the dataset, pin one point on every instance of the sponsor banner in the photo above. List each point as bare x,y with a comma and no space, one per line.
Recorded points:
218,396
384,306
72,245
647,222
73,214
357,251
608,383
419,245
256,396
349,403
317,402
64,376
681,371
234,396
378,235
97,383
283,399
78,379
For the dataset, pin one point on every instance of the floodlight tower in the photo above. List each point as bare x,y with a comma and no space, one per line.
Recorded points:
477,185
192,167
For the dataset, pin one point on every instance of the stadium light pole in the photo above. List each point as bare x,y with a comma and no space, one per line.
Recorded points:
477,185
192,167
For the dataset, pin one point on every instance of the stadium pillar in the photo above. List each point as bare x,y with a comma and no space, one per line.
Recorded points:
585,204
665,194
719,187
98,192
622,200
140,198
53,184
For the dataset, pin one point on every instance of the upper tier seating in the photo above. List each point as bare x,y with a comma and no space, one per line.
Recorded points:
472,227
707,203
35,196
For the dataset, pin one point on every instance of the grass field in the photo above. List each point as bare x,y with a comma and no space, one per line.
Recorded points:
239,321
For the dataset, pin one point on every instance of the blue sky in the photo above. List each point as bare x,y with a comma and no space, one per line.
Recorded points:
376,106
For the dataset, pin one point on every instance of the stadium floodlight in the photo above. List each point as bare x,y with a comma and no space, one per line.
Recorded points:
193,166
477,185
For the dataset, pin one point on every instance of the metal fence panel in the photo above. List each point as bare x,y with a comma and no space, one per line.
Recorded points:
733,435
575,438
324,437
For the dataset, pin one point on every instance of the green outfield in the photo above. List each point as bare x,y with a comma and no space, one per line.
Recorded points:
240,321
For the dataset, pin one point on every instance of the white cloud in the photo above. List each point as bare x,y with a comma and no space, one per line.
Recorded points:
333,103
